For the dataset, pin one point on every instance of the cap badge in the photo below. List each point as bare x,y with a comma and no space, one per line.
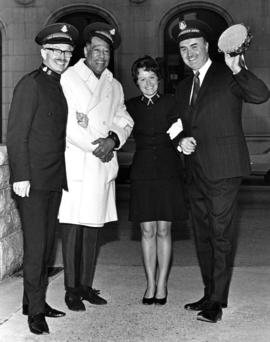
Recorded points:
64,28
112,32
182,25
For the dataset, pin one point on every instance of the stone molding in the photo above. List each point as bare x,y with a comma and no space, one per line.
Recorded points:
24,2
137,1
11,240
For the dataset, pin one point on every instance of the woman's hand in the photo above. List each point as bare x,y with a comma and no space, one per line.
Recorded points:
82,119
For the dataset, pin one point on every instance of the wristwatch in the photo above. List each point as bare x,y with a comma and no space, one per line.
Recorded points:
115,138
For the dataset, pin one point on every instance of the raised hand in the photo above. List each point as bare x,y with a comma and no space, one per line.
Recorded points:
234,63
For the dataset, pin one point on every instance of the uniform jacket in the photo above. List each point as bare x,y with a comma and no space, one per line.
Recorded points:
216,121
91,196
155,156
36,131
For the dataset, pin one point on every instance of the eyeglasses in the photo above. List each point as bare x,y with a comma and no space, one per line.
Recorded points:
58,52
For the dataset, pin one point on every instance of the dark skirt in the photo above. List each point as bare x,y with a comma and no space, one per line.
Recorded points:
157,200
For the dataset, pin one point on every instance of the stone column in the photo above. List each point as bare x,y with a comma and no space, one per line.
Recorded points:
11,242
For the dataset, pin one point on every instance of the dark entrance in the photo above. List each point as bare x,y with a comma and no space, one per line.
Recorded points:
80,20
174,68
1,127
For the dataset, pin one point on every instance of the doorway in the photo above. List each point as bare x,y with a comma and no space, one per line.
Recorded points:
80,20
173,66
1,83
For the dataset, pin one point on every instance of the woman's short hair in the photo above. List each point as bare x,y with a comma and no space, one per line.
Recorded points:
148,64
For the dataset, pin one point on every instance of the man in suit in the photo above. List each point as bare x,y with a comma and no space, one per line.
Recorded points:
36,145
216,155
98,124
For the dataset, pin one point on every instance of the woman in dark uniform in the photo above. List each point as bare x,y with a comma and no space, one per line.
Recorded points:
156,177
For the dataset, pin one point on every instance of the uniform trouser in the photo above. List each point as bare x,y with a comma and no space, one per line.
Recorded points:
79,245
38,214
213,207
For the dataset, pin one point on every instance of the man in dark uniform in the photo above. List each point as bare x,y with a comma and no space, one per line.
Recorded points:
36,146
216,155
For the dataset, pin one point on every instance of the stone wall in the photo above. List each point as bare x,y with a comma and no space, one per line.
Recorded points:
142,24
11,242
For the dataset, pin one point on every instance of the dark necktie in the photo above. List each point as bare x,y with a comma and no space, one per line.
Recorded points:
196,88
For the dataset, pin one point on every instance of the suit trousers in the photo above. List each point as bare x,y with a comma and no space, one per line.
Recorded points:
79,245
213,208
38,214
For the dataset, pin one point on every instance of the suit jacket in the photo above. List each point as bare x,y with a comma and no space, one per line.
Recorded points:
36,131
215,121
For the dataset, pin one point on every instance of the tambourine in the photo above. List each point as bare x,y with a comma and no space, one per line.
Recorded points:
235,40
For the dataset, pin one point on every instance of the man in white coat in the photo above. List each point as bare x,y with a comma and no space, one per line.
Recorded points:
98,123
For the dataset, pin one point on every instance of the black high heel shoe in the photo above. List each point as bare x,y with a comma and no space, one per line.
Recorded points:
148,301
161,301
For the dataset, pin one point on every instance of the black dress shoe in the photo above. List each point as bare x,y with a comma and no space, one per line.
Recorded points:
49,311
201,305
197,306
37,324
91,295
96,291
211,314
74,302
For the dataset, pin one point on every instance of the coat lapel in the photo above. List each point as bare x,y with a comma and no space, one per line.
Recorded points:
102,90
208,79
98,88
185,95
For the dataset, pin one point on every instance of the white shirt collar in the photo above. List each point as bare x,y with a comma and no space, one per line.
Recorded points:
203,70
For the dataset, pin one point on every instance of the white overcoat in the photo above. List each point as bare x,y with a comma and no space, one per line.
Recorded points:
90,199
